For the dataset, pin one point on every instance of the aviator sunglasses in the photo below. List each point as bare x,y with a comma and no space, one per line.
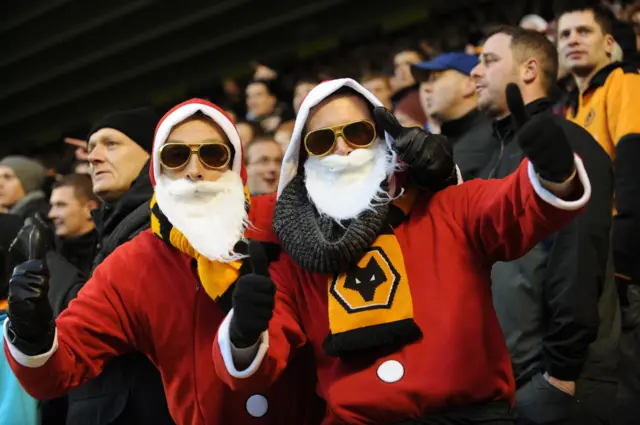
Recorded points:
357,134
212,155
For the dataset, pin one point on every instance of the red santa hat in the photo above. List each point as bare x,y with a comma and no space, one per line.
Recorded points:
183,111
315,96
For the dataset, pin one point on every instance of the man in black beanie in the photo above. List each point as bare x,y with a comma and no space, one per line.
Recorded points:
129,391
119,146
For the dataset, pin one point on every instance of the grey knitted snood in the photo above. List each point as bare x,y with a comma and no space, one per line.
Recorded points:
316,242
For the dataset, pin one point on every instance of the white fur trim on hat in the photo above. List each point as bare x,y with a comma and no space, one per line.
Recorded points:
184,112
315,96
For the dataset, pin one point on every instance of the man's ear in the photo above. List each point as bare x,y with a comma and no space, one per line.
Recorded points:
609,44
530,70
468,87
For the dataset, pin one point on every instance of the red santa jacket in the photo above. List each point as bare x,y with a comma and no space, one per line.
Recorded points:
146,296
449,243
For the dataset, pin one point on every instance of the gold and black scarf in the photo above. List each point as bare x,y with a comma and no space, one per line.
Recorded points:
216,277
369,300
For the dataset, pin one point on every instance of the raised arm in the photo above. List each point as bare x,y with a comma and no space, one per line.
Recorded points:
505,218
49,358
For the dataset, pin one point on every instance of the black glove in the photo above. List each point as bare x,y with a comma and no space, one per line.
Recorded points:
429,156
31,325
541,139
253,300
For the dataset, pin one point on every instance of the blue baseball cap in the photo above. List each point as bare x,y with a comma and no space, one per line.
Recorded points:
461,62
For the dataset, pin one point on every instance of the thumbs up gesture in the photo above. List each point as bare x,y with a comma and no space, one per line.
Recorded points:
542,140
31,328
253,300
429,156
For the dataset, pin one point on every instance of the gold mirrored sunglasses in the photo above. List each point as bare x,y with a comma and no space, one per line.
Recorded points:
175,155
357,134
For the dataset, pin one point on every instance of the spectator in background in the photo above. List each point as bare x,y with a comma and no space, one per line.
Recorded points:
263,159
301,89
379,85
557,305
450,100
406,99
263,106
21,182
118,148
402,77
606,104
248,131
72,201
283,134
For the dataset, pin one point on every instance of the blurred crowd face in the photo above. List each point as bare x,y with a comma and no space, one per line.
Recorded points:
11,190
245,131
381,89
443,91
70,214
491,76
582,45
115,162
283,135
259,101
264,161
301,90
402,68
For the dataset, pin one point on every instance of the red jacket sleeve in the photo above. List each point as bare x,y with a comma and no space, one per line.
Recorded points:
261,217
97,326
505,218
276,346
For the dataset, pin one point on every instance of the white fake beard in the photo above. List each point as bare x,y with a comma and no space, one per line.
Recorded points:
342,187
210,215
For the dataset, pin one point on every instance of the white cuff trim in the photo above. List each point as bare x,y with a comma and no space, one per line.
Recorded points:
23,359
227,349
552,199
459,174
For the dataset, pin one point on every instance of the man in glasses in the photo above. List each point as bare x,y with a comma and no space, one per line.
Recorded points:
389,283
164,293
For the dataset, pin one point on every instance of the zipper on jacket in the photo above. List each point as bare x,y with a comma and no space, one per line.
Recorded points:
495,167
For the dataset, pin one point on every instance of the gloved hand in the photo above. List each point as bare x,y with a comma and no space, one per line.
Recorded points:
253,300
429,156
542,140
31,325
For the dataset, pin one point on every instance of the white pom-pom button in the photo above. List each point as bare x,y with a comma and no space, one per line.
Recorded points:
257,405
390,371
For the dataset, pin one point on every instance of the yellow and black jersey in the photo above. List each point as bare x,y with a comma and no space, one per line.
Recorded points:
609,109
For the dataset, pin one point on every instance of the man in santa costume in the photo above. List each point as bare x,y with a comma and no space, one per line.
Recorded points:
388,283
164,293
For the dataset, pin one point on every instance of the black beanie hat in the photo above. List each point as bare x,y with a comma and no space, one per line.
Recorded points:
138,124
